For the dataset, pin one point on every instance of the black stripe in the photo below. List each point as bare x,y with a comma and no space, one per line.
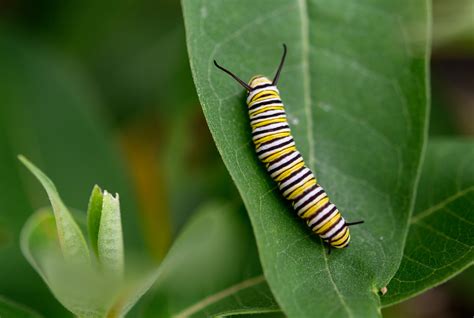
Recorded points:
280,166
291,175
288,186
262,96
267,116
264,131
266,143
311,198
309,217
261,86
337,232
287,166
325,215
281,158
343,242
266,102
305,192
283,144
339,218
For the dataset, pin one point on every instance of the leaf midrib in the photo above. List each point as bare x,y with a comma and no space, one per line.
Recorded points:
427,212
303,8
306,76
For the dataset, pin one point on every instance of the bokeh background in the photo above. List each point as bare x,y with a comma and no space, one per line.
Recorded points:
101,92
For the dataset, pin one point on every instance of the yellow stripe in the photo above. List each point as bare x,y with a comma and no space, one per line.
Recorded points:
278,154
290,166
255,101
264,109
270,137
270,121
256,96
289,171
316,207
345,243
340,234
342,239
328,224
263,99
264,92
301,189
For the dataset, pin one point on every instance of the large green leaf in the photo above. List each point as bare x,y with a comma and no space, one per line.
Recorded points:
440,242
9,309
355,92
49,113
211,270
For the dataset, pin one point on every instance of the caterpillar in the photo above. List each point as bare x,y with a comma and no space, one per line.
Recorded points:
276,149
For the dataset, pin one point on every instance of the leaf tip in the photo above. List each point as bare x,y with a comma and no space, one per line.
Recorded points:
96,188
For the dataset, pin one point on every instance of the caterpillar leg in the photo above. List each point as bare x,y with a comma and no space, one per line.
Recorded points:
328,244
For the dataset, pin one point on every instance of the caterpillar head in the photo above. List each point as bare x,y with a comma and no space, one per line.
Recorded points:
259,80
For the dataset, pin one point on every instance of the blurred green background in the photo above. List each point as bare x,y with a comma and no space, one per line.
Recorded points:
101,92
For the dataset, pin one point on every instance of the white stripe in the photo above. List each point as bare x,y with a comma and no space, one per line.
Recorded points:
295,177
274,143
325,220
284,160
268,153
268,133
254,110
274,100
281,165
299,184
282,169
254,92
255,121
338,226
318,216
316,200
268,112
307,196
271,126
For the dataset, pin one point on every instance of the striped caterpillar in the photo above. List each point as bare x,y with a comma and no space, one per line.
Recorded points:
276,149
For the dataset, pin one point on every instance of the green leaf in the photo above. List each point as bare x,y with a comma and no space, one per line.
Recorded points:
355,92
440,243
25,286
40,245
83,290
94,212
110,240
277,314
211,270
79,288
9,309
39,240
71,239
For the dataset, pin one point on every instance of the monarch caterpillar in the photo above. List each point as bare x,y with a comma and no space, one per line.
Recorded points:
276,148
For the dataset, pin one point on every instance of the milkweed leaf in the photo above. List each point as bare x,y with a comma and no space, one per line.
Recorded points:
355,91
